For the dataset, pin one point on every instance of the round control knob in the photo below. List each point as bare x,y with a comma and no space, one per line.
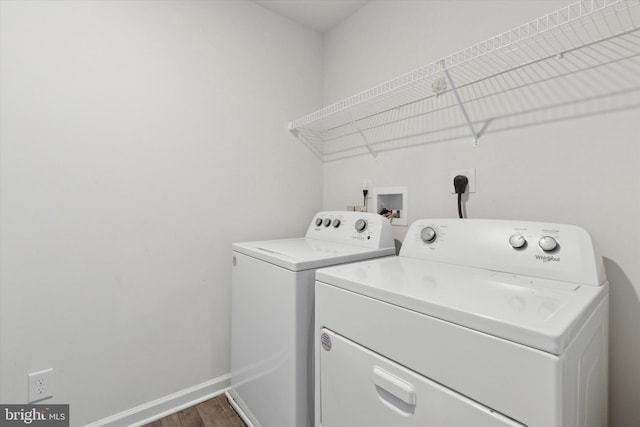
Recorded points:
336,223
548,243
327,222
517,241
318,222
361,225
428,235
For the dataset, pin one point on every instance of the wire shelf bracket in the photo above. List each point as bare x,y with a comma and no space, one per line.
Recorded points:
454,89
364,138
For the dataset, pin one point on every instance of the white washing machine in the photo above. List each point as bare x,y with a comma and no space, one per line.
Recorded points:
272,313
478,323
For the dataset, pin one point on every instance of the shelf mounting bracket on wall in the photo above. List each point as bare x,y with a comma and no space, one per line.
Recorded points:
306,142
454,89
364,137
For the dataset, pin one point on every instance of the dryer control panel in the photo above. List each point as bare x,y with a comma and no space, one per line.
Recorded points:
552,251
355,228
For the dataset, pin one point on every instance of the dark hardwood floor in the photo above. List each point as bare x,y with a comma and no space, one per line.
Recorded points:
215,412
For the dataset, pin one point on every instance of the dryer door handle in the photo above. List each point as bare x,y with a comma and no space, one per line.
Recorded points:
391,384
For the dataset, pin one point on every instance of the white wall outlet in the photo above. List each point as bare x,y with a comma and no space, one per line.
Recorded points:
471,176
40,385
366,184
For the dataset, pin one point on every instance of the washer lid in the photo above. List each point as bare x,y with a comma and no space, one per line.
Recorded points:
539,313
305,254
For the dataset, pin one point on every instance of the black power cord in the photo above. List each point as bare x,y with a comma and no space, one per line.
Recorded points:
364,194
460,183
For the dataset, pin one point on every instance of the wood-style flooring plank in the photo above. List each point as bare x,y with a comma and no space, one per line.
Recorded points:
212,415
231,414
214,412
190,417
172,420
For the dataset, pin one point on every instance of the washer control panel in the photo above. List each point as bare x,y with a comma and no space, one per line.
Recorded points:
359,228
553,251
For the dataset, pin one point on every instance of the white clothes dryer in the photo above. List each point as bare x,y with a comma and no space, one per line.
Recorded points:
272,312
479,323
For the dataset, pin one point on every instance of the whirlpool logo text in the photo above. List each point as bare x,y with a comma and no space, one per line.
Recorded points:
547,258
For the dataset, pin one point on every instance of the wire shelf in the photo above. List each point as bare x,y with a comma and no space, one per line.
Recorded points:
580,60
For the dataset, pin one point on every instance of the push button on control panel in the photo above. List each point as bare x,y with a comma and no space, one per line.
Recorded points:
327,222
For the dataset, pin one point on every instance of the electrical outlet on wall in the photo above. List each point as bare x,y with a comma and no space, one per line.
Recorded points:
40,385
471,176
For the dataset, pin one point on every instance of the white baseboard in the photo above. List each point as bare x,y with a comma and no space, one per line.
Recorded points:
238,409
159,408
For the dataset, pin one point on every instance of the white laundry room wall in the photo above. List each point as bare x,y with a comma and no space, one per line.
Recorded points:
582,171
139,139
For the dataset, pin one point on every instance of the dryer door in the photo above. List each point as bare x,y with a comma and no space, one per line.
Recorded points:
361,388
